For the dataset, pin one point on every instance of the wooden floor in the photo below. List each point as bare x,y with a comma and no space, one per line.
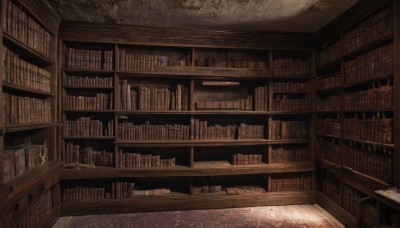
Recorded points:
310,215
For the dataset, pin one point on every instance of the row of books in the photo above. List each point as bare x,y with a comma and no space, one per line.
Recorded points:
246,131
329,184
77,58
148,98
282,66
329,103
289,153
261,98
22,27
378,97
378,128
85,126
143,62
32,216
373,64
75,153
211,61
114,190
282,129
25,110
329,150
291,182
22,73
329,82
371,29
146,132
329,53
89,81
18,160
370,160
135,160
101,101
290,103
351,199
243,104
329,126
203,131
246,159
204,189
289,87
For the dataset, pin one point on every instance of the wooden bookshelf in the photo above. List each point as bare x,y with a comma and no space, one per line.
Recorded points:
186,78
341,182
30,74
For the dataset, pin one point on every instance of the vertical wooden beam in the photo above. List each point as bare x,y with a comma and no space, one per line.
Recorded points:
396,91
312,96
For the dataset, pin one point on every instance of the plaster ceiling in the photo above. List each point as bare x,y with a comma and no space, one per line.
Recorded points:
235,15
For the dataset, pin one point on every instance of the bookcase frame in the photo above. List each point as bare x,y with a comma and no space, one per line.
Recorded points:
25,190
358,181
193,40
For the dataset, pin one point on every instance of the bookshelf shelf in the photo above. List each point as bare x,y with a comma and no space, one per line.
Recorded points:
379,42
25,50
323,163
331,64
90,137
369,142
90,111
366,81
44,175
10,86
89,87
213,112
88,71
327,112
329,136
27,127
389,109
205,143
210,168
330,90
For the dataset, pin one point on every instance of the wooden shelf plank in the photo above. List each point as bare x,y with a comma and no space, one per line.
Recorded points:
366,81
331,89
369,142
26,127
187,202
212,168
88,87
362,182
91,111
363,49
389,109
30,179
188,143
27,90
331,64
90,137
212,112
87,71
27,50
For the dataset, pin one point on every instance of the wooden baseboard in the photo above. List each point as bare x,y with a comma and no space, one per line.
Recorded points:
337,211
145,204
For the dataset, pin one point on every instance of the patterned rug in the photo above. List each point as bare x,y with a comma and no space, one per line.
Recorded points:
269,216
